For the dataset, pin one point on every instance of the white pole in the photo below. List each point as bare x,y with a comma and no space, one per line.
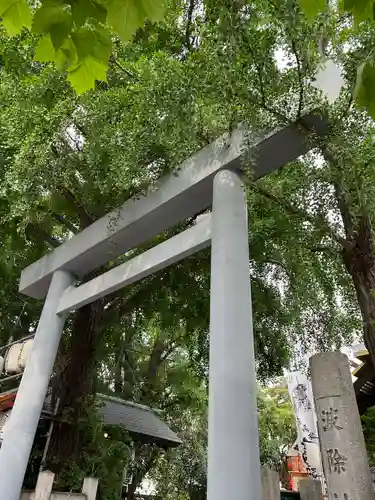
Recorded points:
233,443
23,421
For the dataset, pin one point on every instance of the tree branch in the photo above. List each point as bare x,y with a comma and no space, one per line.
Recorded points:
189,23
65,222
38,232
300,78
154,361
322,249
293,210
329,157
113,60
347,108
171,348
347,217
84,217
142,468
282,266
123,305
260,76
283,118
296,55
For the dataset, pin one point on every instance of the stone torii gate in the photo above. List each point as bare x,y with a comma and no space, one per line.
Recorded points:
211,177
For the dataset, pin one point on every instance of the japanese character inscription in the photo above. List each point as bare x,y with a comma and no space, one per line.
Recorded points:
336,462
345,496
301,399
330,419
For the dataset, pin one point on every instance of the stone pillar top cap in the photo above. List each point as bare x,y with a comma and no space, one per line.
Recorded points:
330,374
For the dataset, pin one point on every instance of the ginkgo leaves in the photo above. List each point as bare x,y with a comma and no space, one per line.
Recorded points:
362,11
76,34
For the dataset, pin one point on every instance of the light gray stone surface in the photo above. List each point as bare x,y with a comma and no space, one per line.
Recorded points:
233,448
22,424
310,489
342,444
167,253
44,485
270,484
90,487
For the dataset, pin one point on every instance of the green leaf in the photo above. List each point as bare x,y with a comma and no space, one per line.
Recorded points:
154,9
63,58
102,47
126,16
66,56
59,33
94,42
53,18
358,83
86,9
15,15
45,51
93,47
84,74
313,7
366,93
85,56
83,40
362,10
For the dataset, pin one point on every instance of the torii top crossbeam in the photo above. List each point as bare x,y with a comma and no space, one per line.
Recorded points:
175,198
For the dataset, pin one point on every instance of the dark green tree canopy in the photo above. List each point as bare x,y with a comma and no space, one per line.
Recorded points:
66,160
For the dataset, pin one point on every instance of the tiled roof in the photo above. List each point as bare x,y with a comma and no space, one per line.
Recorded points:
140,421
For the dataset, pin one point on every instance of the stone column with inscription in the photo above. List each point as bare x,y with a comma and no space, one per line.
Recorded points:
342,444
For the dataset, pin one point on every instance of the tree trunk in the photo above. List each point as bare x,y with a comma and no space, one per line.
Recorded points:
74,385
119,379
359,261
145,458
358,255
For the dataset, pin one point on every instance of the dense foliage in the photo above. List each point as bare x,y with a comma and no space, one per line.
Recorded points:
277,430
181,473
77,35
67,160
368,426
354,15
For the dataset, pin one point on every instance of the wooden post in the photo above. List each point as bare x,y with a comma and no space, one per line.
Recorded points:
44,485
90,487
270,484
310,489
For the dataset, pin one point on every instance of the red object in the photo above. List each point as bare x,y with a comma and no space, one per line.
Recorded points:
296,471
7,400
